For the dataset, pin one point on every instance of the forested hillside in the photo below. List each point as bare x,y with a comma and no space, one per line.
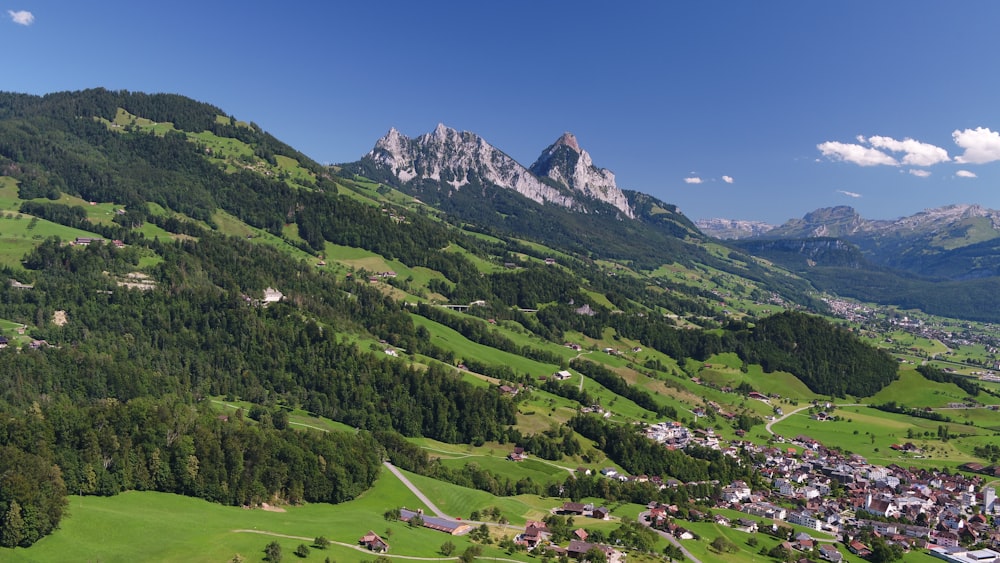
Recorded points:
117,351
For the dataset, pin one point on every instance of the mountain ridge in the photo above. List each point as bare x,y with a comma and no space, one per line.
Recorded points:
458,159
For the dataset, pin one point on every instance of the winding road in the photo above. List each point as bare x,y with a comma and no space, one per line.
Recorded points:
800,409
669,537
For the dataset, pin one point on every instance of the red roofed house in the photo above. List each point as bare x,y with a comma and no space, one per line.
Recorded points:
372,541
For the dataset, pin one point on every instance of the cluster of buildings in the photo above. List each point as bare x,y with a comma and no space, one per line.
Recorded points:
841,494
670,434
536,535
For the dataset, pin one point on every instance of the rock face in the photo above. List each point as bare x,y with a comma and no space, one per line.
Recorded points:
567,164
457,159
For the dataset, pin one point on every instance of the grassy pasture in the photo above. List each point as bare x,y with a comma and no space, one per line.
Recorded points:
460,502
864,430
120,528
450,339
914,390
19,233
296,417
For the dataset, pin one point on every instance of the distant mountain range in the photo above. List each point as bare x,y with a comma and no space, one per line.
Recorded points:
952,242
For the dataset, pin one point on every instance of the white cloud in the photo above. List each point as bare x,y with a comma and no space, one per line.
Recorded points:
692,180
920,173
727,179
857,154
965,174
917,153
22,17
849,194
981,145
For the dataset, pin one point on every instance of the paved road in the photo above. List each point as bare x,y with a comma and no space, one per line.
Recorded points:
800,409
783,417
413,488
669,536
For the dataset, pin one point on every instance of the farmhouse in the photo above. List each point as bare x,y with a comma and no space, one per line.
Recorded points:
577,549
373,542
534,533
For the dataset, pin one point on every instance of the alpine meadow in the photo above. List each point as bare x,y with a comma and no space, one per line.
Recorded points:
214,348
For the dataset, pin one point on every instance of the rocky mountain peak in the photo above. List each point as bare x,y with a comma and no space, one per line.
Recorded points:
457,159
566,163
569,140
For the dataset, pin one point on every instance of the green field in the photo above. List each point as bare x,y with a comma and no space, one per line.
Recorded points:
143,526
870,433
914,390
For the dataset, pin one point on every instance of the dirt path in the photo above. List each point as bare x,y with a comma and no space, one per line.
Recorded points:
352,546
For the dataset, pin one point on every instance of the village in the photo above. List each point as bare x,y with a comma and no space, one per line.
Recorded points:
817,501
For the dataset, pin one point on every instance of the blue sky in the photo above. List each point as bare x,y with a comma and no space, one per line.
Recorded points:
749,110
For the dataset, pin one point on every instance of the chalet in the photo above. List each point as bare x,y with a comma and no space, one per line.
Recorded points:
581,534
3,341
517,454
573,508
550,261
577,549
562,375
859,549
758,396
805,545
601,513
373,542
534,533
746,525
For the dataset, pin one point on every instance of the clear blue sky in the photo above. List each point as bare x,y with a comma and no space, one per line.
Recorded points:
776,108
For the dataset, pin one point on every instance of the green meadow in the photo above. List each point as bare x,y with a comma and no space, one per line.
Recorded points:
145,526
870,433
914,390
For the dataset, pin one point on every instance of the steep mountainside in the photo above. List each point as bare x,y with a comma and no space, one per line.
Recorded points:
568,165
